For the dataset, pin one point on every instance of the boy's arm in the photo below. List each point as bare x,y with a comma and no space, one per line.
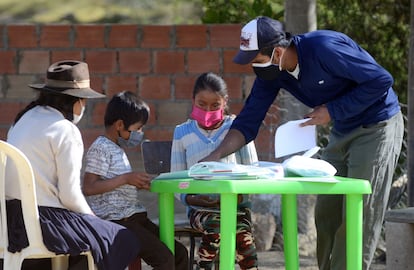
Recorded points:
93,184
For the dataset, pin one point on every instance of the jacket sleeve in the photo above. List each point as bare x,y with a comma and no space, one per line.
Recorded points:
344,58
250,118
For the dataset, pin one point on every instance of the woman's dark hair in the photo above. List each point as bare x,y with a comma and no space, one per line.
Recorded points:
213,82
61,102
126,106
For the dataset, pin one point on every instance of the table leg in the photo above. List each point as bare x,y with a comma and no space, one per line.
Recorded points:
166,216
228,219
354,214
290,231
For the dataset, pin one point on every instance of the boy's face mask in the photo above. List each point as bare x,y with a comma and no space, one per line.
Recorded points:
135,138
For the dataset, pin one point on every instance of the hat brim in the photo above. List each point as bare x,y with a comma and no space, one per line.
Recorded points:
76,92
245,57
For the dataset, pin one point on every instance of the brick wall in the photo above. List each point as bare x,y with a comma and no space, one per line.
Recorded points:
159,63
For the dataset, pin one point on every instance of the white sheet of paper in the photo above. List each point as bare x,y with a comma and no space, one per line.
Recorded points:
290,138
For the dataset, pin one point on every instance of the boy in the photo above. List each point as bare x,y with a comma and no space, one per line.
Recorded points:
112,187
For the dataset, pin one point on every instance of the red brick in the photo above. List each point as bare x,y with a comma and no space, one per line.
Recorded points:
89,135
8,62
35,62
155,87
18,87
101,61
97,83
230,67
22,36
57,36
3,133
98,112
235,106
118,83
169,62
134,61
184,87
225,35
66,55
234,86
191,36
90,36
123,36
9,111
172,113
152,119
156,36
203,61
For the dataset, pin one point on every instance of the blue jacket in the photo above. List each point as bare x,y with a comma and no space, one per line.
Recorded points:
334,71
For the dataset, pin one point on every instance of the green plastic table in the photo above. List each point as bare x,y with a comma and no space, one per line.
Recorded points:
179,182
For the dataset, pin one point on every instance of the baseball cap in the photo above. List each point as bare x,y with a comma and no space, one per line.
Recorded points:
257,34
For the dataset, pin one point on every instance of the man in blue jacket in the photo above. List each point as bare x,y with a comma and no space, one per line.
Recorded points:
343,84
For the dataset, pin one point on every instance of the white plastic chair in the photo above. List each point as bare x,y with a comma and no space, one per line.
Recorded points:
36,248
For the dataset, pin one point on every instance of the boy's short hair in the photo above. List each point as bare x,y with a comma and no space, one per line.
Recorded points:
126,106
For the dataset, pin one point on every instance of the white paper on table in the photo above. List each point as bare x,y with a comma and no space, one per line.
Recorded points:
290,138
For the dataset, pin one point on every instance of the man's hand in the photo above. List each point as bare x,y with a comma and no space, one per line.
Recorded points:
319,116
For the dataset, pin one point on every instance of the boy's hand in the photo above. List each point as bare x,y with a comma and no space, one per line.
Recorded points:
138,179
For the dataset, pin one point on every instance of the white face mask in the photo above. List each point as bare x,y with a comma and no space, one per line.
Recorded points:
77,118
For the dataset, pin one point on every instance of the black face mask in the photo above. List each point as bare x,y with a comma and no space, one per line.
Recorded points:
268,73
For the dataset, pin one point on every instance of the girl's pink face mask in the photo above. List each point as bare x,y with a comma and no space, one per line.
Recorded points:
207,118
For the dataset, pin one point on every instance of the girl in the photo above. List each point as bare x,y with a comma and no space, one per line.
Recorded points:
192,141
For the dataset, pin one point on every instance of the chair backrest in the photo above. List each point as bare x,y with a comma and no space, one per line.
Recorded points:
156,156
11,156
27,194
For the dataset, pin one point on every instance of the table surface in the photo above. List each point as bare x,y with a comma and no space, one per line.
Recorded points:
181,183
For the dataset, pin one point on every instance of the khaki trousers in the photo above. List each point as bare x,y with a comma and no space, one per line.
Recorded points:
368,152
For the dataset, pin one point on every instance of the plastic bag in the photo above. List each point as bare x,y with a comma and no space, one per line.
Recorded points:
307,166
